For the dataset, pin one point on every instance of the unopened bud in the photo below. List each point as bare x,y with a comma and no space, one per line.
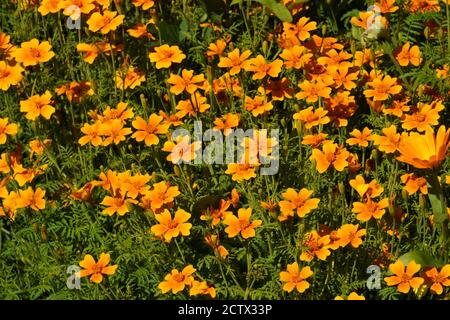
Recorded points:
341,188
177,171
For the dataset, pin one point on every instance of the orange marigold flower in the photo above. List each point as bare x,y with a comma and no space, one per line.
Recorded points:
404,278
114,132
131,78
315,246
409,55
424,118
352,296
293,278
144,4
372,189
38,105
187,82
296,57
33,199
217,48
169,228
331,154
312,118
342,76
414,183
226,123
176,281
349,234
216,215
425,151
96,269
9,75
241,171
195,104
360,138
147,131
49,6
299,202
201,287
278,89
389,142
165,55
75,91
314,140
313,90
6,129
301,29
241,224
235,61
257,106
262,69
381,87
182,150
386,6
74,8
370,209
117,204
397,108
32,52
162,194
140,31
106,22
91,134
438,279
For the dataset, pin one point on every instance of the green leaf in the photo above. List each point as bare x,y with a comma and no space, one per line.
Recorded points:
421,257
278,9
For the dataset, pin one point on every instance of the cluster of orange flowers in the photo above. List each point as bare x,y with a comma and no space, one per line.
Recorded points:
324,96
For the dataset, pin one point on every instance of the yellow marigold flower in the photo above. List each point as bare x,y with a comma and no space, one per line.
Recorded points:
438,279
6,129
201,288
349,234
169,228
176,281
105,23
294,278
297,202
331,154
9,75
147,131
312,118
131,78
33,199
187,82
241,171
370,209
352,296
389,142
409,55
241,224
425,151
38,105
165,55
235,61
261,68
32,52
404,278
381,87
315,246
96,269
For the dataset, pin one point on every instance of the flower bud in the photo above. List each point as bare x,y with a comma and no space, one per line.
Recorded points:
177,170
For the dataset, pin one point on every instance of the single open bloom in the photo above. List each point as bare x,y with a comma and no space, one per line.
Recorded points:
177,281
96,269
294,278
169,228
404,278
165,55
241,224
299,202
424,151
32,52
